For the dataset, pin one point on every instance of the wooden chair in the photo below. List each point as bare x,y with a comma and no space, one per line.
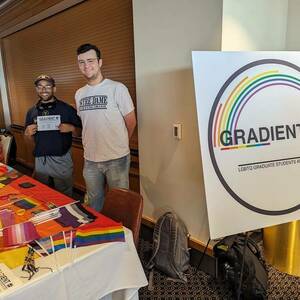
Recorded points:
125,206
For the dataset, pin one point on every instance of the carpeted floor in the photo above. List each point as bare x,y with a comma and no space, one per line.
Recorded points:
203,286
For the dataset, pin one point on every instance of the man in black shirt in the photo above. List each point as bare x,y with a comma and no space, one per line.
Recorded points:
52,123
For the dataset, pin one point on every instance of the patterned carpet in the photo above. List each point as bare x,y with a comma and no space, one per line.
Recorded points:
203,286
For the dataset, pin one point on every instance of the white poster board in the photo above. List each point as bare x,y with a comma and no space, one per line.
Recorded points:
248,106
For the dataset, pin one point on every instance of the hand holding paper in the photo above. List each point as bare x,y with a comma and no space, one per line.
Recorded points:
45,123
66,127
31,129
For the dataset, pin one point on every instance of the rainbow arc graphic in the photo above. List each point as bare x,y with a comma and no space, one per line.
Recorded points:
228,113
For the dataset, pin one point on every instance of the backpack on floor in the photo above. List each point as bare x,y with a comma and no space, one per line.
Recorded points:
170,248
229,253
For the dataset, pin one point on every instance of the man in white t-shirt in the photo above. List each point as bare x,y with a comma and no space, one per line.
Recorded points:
108,120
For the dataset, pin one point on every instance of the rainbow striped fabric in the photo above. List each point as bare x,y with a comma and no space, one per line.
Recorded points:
19,234
96,234
59,241
25,203
46,245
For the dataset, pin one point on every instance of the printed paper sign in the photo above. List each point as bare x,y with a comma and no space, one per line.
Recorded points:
248,106
7,278
45,123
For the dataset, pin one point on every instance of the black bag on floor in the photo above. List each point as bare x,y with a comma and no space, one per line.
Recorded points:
229,254
170,248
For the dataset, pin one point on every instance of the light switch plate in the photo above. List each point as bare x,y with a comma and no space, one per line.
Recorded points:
177,131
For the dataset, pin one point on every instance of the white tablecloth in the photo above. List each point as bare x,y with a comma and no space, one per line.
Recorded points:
112,271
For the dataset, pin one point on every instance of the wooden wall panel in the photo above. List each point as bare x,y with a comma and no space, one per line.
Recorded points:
24,147
17,11
77,155
50,47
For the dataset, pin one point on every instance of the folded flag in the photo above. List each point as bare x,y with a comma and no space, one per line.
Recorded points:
19,234
7,217
45,216
25,203
74,215
84,211
79,212
67,219
97,234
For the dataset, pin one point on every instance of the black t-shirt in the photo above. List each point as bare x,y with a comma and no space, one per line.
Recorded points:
53,142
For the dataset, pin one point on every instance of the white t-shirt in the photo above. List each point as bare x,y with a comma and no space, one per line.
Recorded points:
101,108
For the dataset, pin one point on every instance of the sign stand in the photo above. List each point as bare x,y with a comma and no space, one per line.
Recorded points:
242,268
202,256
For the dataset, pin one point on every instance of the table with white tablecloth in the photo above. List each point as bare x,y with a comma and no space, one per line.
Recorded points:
108,271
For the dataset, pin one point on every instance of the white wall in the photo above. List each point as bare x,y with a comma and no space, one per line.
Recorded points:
293,33
254,25
165,33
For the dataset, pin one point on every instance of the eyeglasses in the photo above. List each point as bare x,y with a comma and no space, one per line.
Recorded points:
46,87
89,61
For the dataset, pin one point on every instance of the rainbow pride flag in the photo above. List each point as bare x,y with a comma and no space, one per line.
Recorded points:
46,245
96,234
59,242
25,203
